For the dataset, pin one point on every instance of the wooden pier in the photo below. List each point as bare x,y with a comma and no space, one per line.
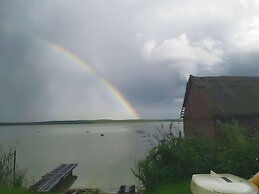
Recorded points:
51,179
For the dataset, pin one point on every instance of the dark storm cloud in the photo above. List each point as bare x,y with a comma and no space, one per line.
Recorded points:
39,85
20,81
147,49
242,64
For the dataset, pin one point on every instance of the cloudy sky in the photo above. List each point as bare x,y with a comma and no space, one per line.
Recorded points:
118,59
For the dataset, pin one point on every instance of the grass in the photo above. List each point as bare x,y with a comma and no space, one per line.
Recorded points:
175,188
8,190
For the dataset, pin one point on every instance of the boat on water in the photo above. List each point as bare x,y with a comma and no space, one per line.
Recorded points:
214,183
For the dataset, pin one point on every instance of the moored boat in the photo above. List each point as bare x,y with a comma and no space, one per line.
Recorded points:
221,184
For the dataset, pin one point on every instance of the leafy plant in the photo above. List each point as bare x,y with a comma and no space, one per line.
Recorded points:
7,175
174,159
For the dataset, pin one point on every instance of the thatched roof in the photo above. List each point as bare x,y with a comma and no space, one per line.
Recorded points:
227,96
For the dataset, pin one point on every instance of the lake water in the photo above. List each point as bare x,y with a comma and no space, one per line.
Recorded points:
103,161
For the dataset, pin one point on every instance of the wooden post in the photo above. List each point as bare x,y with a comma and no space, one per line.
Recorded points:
14,165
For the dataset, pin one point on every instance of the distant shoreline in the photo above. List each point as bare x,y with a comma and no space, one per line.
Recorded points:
85,122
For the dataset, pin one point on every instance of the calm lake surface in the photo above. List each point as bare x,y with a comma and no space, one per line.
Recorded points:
103,161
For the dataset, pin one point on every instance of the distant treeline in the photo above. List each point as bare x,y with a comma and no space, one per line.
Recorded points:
85,122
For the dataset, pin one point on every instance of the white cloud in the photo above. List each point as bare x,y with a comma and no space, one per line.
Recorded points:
248,3
185,55
149,47
247,37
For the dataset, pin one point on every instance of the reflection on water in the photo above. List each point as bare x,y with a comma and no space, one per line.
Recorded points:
103,161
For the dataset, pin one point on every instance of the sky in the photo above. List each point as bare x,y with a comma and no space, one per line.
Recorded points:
118,59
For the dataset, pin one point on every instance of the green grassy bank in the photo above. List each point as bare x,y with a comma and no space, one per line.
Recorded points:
175,188
8,190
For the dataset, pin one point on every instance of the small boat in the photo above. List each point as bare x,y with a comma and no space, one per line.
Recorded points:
102,134
127,189
139,131
214,183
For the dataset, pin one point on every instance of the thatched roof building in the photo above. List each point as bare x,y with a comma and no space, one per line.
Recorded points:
208,99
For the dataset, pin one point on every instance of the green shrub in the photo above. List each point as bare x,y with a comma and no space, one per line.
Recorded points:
177,159
239,152
7,176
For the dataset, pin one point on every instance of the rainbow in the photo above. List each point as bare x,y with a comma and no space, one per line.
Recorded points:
115,93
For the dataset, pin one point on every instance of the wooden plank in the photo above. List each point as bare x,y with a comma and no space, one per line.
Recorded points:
59,168
67,169
50,180
50,184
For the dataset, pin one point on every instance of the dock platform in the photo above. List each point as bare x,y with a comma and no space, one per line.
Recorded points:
51,179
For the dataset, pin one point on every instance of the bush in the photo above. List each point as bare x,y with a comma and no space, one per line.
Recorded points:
239,150
177,159
7,176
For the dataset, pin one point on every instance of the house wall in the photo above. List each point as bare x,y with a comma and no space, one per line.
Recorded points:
199,112
197,119
199,127
251,123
